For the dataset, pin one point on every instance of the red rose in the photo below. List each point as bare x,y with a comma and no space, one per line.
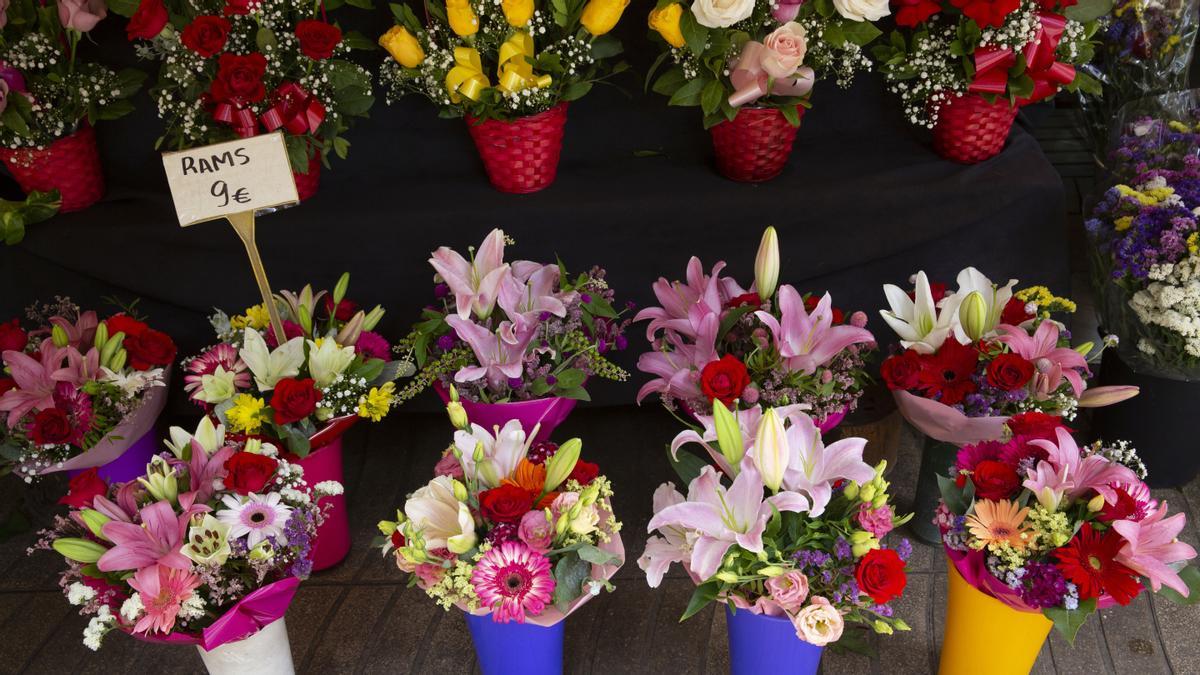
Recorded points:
294,399
13,337
345,309
505,504
1009,372
902,371
51,426
249,472
743,300
937,291
811,302
1014,313
206,35
7,383
123,323
83,489
1035,425
880,574
147,21
995,480
240,78
151,348
584,472
724,379
317,38
909,13
398,539
987,12
238,7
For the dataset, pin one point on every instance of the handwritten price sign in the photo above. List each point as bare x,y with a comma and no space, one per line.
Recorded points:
233,177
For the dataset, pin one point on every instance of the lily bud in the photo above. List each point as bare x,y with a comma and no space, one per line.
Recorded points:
460,491
79,550
373,318
339,289
1096,503
160,480
729,436
118,361
386,527
867,493
101,336
860,537
305,318
771,571
458,415
478,456
973,315
771,449
851,490
1085,348
254,446
560,527
859,550
727,577
882,627
766,264
109,350
899,624
559,466
879,501
349,333
95,522
880,468
59,335
1096,397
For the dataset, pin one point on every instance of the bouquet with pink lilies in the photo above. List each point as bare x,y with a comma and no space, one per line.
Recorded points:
205,548
713,340
783,527
77,391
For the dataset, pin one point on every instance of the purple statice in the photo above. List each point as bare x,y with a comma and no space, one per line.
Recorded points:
441,290
811,559
883,610
296,531
1043,585
841,549
904,549
502,532
446,342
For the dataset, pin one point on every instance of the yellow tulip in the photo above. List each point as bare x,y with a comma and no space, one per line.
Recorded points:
403,46
462,18
600,16
517,12
666,22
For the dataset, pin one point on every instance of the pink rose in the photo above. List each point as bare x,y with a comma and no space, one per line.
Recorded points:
789,590
876,521
785,50
448,465
820,623
81,15
536,531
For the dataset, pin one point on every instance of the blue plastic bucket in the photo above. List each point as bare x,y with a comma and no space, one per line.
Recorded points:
516,648
768,644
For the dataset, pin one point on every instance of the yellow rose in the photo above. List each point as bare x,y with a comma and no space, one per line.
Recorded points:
600,16
403,46
462,18
666,22
517,12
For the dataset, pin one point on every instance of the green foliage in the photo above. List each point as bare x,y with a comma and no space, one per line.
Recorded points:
16,216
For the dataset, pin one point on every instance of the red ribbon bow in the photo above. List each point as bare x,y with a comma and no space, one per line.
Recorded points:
993,63
238,115
295,110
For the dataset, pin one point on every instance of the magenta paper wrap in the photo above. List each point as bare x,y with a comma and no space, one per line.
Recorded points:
252,613
943,423
549,412
972,565
128,432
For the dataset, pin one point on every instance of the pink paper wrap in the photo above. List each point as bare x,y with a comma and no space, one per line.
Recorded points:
941,422
251,614
972,565
548,412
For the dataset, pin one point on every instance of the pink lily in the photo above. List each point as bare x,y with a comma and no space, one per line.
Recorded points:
525,298
204,470
811,467
684,304
1152,545
476,282
1074,473
1052,362
809,341
724,516
678,367
157,540
748,421
80,368
82,332
499,359
1098,397
675,544
35,385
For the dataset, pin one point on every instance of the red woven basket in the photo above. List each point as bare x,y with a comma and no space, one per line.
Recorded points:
970,130
70,165
521,156
755,146
308,182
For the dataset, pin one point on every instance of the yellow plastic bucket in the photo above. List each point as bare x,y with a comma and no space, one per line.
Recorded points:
987,637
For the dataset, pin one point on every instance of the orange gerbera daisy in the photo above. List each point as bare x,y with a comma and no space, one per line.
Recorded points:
999,522
531,477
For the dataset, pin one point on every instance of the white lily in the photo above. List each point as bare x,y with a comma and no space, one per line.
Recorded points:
994,299
210,437
498,455
919,322
269,367
327,360
443,520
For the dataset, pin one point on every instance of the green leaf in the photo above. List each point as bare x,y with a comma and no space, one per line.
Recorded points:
670,82
861,33
125,8
572,377
15,216
1069,622
792,114
711,96
688,94
1088,10
361,4
577,393
704,594
597,556
833,34
687,466
569,575
265,38
1191,576
694,34
11,118
824,8
731,318
606,46
951,494
356,40
576,90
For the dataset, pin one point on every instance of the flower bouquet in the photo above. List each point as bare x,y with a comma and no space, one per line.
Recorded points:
79,394
543,56
750,66
515,534
206,548
49,100
236,68
331,371
787,533
712,340
1040,532
513,340
963,67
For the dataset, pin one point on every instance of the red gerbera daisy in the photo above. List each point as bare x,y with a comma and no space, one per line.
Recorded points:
1088,561
946,375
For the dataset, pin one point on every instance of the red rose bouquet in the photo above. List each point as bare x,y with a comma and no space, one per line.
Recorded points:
76,391
244,67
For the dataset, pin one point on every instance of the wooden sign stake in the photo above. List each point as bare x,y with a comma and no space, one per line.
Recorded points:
243,224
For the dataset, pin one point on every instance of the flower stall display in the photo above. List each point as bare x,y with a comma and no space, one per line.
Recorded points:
713,340
206,548
331,371
787,533
50,100
750,67
963,67
1041,532
516,534
510,69
237,68
513,340
80,394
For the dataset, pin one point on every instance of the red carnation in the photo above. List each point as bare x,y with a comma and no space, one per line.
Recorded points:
811,302
724,379
294,399
249,472
995,480
743,300
910,13
880,574
13,337
206,35
1014,313
83,489
946,375
584,472
1089,562
147,20
150,349
987,12
317,38
902,371
505,504
1009,372
123,323
240,78
345,309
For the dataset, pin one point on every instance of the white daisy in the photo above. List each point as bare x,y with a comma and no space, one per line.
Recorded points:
257,518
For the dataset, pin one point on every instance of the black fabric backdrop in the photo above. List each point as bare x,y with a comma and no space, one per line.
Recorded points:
864,201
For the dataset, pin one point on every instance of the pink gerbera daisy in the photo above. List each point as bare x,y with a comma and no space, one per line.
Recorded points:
511,579
224,356
163,591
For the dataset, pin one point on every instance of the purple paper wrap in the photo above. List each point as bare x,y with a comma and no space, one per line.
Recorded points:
132,463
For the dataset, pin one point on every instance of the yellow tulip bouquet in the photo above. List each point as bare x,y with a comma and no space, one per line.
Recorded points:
510,67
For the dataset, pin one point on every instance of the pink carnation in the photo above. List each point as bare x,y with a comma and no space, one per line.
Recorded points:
373,345
876,521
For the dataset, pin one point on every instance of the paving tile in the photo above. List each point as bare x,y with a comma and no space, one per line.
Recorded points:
401,627
306,617
1132,641
583,628
1088,654
716,656
673,649
35,620
911,651
449,648
345,636
1177,627
627,620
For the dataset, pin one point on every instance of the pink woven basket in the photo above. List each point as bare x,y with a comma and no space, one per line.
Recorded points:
521,156
970,130
70,165
308,182
755,146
